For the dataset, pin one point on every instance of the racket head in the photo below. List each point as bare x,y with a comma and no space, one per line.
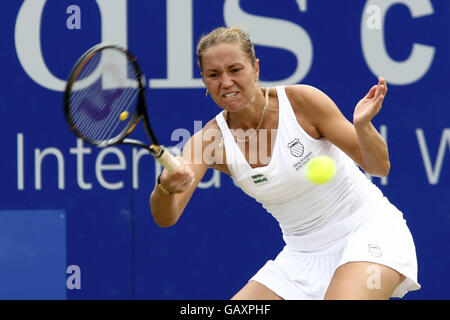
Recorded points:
104,95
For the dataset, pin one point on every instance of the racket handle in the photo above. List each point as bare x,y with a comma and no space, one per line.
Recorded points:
165,158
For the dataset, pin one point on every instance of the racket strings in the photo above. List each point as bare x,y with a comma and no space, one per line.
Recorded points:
112,125
129,94
96,105
107,129
77,95
85,71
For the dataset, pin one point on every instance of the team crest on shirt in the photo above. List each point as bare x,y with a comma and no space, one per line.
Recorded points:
296,148
375,250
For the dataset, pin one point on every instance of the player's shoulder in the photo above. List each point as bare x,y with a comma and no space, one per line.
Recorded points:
211,124
211,128
302,93
204,145
208,133
307,98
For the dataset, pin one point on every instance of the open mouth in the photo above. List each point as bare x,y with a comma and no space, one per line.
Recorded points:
231,94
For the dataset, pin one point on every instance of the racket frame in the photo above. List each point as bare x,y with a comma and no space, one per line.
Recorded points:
141,112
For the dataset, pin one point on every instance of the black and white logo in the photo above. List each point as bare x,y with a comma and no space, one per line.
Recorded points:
375,250
296,148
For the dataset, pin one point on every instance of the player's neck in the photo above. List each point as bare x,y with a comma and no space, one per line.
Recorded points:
249,116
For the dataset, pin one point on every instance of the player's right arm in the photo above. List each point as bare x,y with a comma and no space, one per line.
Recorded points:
167,209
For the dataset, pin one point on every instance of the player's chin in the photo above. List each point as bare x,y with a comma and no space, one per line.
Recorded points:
232,106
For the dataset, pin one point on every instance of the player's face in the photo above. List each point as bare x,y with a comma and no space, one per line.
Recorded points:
229,76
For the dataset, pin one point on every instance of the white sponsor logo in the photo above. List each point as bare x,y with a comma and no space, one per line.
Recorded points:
264,31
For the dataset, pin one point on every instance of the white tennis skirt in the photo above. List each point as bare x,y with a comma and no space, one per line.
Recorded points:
376,233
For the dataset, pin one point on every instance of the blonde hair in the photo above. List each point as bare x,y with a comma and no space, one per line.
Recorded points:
226,35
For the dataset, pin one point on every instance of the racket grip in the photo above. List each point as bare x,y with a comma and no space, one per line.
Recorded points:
167,160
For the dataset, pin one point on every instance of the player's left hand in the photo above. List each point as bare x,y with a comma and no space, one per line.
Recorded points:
371,104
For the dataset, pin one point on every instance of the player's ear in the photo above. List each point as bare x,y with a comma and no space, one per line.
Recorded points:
203,78
257,69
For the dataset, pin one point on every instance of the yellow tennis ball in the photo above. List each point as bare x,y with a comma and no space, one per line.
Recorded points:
321,169
124,116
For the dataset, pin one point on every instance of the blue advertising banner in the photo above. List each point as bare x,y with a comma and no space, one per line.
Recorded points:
112,247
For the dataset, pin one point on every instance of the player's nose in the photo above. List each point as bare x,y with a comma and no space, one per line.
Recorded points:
226,81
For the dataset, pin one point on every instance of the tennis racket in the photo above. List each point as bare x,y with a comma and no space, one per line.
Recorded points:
104,100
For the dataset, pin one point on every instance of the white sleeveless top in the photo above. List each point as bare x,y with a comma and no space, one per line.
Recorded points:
299,206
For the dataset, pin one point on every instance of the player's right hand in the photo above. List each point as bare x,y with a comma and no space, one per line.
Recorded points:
179,179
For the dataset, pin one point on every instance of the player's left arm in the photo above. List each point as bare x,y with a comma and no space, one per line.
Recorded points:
359,140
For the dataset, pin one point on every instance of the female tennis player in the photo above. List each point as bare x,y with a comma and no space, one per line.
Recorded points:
344,239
